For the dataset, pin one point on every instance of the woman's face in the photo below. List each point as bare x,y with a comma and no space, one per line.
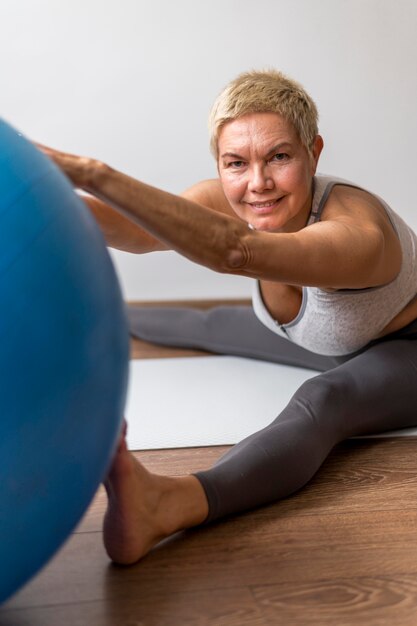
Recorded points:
266,172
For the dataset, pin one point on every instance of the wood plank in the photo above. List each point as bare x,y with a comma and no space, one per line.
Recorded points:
231,607
375,601
271,557
82,575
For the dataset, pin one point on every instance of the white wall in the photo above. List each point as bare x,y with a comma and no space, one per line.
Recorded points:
131,82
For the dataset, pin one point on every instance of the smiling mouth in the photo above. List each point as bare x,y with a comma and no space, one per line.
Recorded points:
263,207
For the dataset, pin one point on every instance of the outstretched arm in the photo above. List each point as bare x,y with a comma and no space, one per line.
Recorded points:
198,232
202,234
347,251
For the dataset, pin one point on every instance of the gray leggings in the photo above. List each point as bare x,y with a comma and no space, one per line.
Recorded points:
371,391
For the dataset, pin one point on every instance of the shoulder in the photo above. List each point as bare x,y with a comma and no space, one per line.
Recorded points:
360,211
355,205
209,193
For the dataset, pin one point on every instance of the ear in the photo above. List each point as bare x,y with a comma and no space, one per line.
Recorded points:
318,144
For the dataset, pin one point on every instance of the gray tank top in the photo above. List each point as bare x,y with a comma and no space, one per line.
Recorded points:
344,321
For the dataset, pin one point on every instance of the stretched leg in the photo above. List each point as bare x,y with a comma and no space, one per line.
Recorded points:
232,330
373,392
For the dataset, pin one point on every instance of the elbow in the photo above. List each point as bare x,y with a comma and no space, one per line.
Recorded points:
237,257
96,175
230,251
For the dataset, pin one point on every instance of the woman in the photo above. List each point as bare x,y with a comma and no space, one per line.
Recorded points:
336,287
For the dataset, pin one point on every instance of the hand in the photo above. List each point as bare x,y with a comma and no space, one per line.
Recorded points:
80,170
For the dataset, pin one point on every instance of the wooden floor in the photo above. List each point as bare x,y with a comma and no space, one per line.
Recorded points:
343,551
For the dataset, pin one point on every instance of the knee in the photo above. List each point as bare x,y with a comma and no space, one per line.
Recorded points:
325,396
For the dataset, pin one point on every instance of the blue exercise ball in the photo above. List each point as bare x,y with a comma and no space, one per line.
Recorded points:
63,359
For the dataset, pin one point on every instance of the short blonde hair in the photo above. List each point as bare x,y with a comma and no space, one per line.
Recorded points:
266,91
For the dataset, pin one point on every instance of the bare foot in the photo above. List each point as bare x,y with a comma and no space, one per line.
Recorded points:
144,508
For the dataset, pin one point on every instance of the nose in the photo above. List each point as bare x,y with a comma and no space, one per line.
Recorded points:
260,179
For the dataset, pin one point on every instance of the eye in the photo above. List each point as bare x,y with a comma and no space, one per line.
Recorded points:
235,164
280,156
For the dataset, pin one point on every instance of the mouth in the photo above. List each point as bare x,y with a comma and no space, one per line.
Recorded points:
261,208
